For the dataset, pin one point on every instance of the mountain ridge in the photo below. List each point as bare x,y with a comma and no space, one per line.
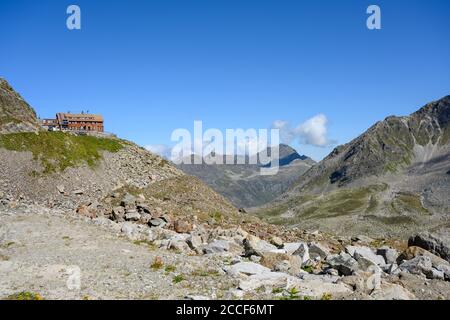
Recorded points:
16,115
394,173
243,184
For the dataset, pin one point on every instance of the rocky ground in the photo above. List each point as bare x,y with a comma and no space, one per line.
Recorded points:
42,252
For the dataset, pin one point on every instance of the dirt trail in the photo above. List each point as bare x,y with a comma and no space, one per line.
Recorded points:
42,254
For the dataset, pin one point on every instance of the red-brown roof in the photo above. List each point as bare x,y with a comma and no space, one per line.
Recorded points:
79,117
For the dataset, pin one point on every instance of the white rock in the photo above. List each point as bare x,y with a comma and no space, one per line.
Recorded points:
247,268
317,287
291,247
302,252
389,254
390,291
132,215
255,246
217,246
265,279
318,250
365,252
194,242
130,230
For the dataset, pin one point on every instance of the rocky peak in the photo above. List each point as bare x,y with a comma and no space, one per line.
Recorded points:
287,155
387,147
439,110
15,114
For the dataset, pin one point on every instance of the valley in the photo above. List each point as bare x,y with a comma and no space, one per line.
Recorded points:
93,217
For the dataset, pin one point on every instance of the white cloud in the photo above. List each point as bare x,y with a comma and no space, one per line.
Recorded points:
160,149
313,131
287,135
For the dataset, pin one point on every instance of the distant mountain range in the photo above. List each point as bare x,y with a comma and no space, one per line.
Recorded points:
243,184
392,179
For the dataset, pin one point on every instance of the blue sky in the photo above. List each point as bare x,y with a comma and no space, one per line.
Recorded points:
153,66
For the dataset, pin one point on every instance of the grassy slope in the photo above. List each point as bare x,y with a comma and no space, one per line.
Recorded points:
366,201
58,150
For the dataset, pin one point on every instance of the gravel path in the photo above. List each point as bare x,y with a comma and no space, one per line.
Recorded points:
42,253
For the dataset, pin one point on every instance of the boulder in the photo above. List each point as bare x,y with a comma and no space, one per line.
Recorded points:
366,264
361,239
60,188
195,242
436,274
424,265
282,262
436,243
365,252
255,246
316,287
313,287
179,246
118,214
145,218
277,242
266,280
283,266
132,215
445,270
181,226
344,263
217,246
130,230
392,269
390,255
247,268
271,259
157,222
418,265
84,210
390,291
413,252
302,253
128,201
318,251
291,247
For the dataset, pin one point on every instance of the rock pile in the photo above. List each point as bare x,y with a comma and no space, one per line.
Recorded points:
311,268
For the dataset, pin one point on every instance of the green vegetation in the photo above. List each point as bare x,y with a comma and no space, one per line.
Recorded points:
205,273
446,136
4,119
338,203
58,150
291,294
277,290
157,264
170,268
163,163
407,202
392,220
24,295
217,216
373,204
308,269
145,243
178,278
326,296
